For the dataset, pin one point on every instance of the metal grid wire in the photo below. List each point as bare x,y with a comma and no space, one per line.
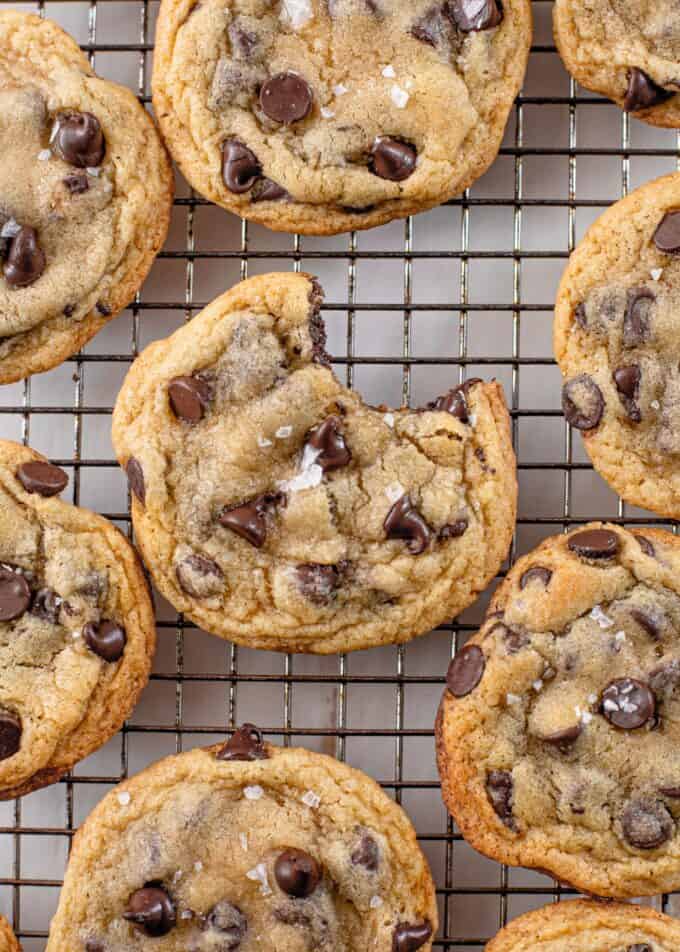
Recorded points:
411,308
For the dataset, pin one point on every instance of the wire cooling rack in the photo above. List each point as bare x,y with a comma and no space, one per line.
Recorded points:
411,308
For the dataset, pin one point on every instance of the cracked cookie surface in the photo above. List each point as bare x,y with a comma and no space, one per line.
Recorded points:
557,736
629,52
580,926
322,116
246,847
617,344
77,629
276,509
82,170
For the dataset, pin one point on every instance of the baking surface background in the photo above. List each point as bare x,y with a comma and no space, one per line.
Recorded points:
466,289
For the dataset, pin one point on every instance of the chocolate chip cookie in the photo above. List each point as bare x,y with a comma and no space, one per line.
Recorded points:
558,733
276,509
320,116
85,195
246,847
629,52
76,626
617,341
8,941
589,927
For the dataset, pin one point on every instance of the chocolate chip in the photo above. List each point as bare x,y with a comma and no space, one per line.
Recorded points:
42,478
500,791
474,15
189,398
455,401
627,380
240,167
45,605
243,42
198,576
646,824
79,139
135,476
465,670
227,920
246,743
25,259
106,639
514,640
580,316
666,677
265,190
643,92
10,734
582,402
645,620
403,521
77,183
103,308
594,543
645,545
69,310
297,873
453,530
640,947
637,318
152,910
537,573
366,854
286,98
565,738
410,936
667,234
627,703
393,160
15,594
317,582
329,441
249,520
430,27
94,945
672,792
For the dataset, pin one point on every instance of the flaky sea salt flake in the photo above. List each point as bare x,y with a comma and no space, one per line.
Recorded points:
311,799
297,12
255,792
123,798
399,97
388,72
259,875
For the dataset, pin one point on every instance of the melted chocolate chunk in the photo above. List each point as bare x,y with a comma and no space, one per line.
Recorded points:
594,543
403,521
500,791
672,792
42,478
628,703
637,318
646,824
317,582
537,573
151,910
79,139
667,234
455,401
286,98
189,398
243,42
582,402
77,183
10,734
198,576
135,475
565,738
580,316
646,621
15,594
246,743
106,639
453,530
366,854
25,259
627,380
240,167
249,520
430,28
330,443
392,159
640,947
475,15
297,873
645,545
230,923
103,308
265,190
513,640
410,936
45,605
643,92
465,670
